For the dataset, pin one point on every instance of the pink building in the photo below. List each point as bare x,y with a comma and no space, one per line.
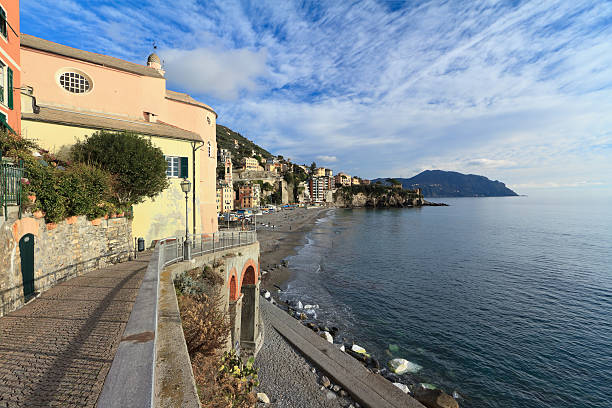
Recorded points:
70,93
10,68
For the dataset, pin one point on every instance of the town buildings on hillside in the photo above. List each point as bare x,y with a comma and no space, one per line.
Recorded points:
69,93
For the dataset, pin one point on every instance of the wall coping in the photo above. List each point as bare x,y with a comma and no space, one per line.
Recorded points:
134,379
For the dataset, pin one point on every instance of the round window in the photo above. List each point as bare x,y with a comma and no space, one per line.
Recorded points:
74,82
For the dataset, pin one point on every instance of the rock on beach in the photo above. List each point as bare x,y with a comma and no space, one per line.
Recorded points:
401,366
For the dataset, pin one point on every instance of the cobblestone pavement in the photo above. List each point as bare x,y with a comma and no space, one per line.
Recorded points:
57,350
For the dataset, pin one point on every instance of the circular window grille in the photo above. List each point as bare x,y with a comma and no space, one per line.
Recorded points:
73,82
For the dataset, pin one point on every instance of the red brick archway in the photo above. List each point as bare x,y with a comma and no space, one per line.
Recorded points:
250,273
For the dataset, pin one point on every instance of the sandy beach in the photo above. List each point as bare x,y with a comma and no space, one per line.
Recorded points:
287,377
280,234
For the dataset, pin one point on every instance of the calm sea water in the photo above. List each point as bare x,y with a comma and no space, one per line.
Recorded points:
507,301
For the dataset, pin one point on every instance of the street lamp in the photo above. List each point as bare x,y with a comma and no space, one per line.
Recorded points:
186,187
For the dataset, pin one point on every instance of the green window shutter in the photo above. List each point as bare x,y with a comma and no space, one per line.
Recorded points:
3,22
10,87
184,167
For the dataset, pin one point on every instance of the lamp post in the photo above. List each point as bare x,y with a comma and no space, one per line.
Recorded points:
186,186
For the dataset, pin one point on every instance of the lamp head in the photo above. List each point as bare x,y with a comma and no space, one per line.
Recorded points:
185,185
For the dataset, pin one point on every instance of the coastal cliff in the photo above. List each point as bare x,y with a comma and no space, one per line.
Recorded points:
377,196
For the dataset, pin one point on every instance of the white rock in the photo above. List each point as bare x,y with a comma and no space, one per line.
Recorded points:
299,305
428,386
327,336
342,348
401,366
402,387
263,398
330,395
311,306
267,294
358,349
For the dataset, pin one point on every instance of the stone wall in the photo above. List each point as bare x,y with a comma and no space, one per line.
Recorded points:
61,251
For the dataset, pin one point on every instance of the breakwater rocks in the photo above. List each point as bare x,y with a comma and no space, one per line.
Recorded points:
400,372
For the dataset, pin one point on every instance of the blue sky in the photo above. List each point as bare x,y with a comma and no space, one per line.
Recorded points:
519,91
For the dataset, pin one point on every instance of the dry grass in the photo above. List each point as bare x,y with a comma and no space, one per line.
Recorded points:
206,327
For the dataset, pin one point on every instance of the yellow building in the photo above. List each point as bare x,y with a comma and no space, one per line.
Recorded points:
319,172
225,198
251,164
355,181
69,93
342,179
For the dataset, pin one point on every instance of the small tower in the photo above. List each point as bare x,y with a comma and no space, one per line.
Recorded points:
155,62
228,171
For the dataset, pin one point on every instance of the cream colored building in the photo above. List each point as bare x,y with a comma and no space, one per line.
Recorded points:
355,181
342,179
69,93
251,164
225,198
319,172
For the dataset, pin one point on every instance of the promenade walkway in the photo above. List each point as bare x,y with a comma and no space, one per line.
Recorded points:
57,350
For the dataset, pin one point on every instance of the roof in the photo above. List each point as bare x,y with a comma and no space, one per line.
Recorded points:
29,41
108,122
183,97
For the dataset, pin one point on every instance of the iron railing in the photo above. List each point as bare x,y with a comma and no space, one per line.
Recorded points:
10,185
171,249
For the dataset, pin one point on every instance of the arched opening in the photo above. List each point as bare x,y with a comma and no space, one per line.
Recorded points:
249,276
233,288
26,251
250,304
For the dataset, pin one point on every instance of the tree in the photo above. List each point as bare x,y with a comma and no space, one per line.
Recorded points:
139,168
313,167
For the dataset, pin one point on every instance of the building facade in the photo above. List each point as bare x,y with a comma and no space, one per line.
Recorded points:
225,198
73,93
342,179
318,187
10,66
251,164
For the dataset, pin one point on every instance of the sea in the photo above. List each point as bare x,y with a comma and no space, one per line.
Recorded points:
505,302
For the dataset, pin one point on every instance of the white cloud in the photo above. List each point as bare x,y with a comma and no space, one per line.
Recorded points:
222,74
327,159
490,163
516,92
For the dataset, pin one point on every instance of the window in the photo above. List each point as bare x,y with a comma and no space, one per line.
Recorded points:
6,85
177,166
74,82
3,23
208,120
2,84
209,150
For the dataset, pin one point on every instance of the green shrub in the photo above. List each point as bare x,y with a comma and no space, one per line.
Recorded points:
139,167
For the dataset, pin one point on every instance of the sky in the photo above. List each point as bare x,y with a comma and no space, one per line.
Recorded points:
518,91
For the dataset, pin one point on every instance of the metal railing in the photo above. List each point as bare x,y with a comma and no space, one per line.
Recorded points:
10,185
171,249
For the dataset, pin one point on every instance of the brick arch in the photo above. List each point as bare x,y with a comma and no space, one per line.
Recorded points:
234,290
252,276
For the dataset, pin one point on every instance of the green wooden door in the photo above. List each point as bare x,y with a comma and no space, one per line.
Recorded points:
26,249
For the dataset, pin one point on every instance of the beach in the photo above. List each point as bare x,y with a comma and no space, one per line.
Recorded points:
280,234
286,376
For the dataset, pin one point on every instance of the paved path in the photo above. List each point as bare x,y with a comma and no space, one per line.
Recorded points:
57,350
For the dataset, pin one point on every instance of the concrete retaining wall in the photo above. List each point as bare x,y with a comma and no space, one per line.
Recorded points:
61,251
174,382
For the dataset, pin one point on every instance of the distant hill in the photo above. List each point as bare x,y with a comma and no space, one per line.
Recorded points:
244,147
439,183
